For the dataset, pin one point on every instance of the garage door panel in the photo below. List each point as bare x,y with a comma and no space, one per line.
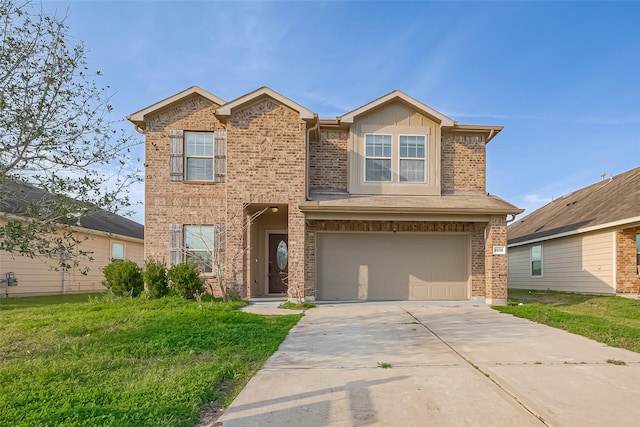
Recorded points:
376,266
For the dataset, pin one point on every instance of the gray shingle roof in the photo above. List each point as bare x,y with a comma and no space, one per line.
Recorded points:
21,195
611,200
448,204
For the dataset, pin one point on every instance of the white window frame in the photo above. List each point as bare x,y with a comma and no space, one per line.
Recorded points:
187,257
124,254
424,159
390,158
638,252
531,260
188,156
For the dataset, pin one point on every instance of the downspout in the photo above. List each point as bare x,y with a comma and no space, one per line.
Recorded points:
306,168
513,217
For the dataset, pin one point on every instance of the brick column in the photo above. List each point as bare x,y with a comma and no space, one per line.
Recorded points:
496,265
627,280
296,252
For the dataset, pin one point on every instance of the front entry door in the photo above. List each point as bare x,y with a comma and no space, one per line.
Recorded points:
278,263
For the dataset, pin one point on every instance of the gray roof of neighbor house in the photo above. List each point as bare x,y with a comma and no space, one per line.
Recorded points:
610,201
95,219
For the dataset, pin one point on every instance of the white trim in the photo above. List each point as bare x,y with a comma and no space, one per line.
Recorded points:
365,157
628,221
424,159
531,275
198,156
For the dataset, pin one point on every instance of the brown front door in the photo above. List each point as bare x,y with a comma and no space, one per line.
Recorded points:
278,263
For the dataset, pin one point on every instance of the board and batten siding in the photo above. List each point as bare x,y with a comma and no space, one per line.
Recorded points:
583,263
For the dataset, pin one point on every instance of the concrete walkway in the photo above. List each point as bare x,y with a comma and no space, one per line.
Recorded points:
460,365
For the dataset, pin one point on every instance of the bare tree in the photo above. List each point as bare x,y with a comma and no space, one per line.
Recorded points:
55,134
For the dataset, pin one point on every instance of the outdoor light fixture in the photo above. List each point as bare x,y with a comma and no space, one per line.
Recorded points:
274,209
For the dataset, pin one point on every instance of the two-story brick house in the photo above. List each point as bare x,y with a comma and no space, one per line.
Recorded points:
386,202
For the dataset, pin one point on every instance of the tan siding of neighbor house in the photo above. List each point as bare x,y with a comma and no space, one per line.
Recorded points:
582,263
37,276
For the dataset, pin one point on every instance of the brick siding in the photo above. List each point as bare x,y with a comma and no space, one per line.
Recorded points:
496,265
328,160
463,160
627,280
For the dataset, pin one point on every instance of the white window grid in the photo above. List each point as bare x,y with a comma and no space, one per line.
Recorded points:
199,156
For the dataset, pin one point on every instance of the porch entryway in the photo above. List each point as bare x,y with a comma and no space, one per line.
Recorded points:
267,250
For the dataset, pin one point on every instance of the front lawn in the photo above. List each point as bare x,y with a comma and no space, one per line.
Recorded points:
79,360
612,320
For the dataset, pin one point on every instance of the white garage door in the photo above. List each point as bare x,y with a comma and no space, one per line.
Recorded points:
392,266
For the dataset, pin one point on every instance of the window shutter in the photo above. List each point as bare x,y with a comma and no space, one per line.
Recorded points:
220,156
176,159
175,244
218,245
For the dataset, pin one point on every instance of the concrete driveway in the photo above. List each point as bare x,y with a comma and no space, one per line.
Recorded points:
460,365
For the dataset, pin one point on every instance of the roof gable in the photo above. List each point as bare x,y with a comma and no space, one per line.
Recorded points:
396,95
612,201
138,117
225,110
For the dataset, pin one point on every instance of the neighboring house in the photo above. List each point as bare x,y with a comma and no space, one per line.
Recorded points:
386,202
107,236
588,241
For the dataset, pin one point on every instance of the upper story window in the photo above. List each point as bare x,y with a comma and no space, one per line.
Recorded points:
378,157
199,156
536,260
412,158
391,158
386,157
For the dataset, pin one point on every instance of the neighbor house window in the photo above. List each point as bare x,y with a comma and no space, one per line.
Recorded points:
117,251
198,244
199,156
536,260
638,252
412,158
377,158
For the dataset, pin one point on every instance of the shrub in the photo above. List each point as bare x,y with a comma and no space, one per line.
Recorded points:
156,279
123,278
185,280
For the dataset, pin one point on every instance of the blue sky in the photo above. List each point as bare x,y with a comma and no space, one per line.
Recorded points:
563,78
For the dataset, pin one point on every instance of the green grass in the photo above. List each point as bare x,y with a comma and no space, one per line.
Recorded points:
76,360
297,306
612,320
